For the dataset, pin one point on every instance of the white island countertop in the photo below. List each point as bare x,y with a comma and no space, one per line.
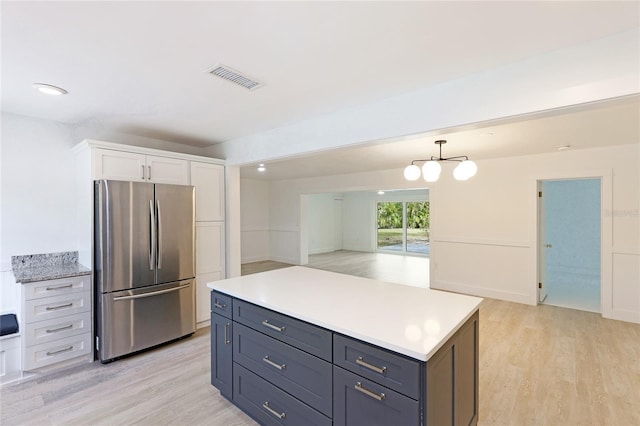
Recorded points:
409,320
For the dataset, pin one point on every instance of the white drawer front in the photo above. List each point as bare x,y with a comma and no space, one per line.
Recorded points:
46,331
56,351
57,306
56,287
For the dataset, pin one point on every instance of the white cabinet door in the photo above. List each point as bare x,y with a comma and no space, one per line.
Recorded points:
203,294
209,247
119,165
167,170
209,182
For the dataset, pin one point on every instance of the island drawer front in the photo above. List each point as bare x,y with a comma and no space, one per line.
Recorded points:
304,376
358,401
57,306
57,287
57,328
221,304
58,350
270,405
384,367
309,338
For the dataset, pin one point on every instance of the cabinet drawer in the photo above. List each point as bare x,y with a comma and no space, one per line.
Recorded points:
57,328
300,334
58,287
270,405
304,376
358,401
57,306
384,367
59,350
221,304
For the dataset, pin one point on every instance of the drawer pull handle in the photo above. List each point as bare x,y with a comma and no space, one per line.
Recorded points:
219,305
272,411
59,287
55,308
266,323
60,351
378,396
273,364
375,368
226,334
55,330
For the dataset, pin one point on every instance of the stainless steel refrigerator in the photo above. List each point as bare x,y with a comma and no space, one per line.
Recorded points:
144,262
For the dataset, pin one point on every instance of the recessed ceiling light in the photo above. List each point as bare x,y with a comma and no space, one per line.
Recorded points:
563,147
380,192
261,168
48,89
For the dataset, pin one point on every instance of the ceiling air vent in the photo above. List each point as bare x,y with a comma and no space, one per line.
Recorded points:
234,76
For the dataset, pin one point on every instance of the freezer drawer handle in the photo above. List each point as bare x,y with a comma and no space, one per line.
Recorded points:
367,392
375,368
55,308
67,349
272,411
153,293
273,364
266,323
55,330
59,287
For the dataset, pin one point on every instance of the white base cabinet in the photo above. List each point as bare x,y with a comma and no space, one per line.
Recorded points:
56,321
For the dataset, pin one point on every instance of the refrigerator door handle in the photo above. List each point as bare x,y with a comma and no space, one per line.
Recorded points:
151,294
159,235
152,237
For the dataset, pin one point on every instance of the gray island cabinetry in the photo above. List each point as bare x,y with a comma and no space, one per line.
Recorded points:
297,347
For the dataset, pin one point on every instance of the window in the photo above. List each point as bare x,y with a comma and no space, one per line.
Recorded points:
403,227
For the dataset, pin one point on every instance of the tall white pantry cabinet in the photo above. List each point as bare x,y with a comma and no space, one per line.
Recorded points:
105,160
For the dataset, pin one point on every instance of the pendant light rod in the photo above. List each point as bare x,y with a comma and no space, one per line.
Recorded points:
441,158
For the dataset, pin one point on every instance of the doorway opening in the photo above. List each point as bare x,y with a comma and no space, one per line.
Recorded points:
569,243
403,226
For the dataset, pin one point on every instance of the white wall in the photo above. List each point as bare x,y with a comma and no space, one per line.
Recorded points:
483,231
321,223
358,221
254,220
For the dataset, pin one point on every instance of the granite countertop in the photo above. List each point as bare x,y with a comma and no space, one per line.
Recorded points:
410,320
49,266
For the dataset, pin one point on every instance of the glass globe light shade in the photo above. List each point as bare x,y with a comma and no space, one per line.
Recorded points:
431,171
465,170
412,172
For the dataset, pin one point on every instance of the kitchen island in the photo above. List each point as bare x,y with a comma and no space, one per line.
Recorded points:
304,346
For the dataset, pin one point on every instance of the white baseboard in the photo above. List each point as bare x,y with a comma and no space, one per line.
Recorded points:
481,292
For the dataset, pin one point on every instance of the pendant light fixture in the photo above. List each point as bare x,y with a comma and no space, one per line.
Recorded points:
431,168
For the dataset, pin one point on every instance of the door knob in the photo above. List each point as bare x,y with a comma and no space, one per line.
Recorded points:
547,246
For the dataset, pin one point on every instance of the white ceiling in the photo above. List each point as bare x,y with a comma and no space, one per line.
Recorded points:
138,67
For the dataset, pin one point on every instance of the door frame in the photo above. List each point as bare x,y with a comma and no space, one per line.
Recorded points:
606,232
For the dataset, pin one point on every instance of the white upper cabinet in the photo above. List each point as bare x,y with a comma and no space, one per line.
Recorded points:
130,166
119,165
209,182
167,170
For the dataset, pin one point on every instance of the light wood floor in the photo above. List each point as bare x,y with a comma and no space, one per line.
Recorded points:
539,365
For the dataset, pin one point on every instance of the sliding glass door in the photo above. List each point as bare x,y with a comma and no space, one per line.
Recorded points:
403,227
